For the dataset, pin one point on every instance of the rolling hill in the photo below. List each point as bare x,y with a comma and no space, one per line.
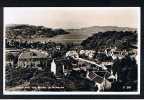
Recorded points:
41,33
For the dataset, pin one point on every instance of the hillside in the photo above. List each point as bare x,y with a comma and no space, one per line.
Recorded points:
121,40
24,31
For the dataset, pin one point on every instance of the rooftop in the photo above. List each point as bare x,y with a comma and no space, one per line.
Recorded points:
31,54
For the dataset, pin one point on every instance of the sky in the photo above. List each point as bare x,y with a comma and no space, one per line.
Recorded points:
73,17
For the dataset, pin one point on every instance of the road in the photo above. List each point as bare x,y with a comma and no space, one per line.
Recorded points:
91,62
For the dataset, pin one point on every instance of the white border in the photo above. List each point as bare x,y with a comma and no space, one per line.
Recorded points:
75,93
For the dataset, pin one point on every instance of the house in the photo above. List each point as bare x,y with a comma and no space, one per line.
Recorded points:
32,58
101,82
88,53
72,54
53,67
11,57
57,68
112,77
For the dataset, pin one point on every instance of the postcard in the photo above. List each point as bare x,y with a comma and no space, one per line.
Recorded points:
71,51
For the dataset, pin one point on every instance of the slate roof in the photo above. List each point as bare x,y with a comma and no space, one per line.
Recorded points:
93,76
97,78
32,54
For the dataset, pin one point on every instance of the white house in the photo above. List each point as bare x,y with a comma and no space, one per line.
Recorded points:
53,67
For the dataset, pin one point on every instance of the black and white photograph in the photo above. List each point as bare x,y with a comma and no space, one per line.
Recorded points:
71,50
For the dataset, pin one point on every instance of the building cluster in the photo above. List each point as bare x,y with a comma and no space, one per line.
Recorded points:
99,72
